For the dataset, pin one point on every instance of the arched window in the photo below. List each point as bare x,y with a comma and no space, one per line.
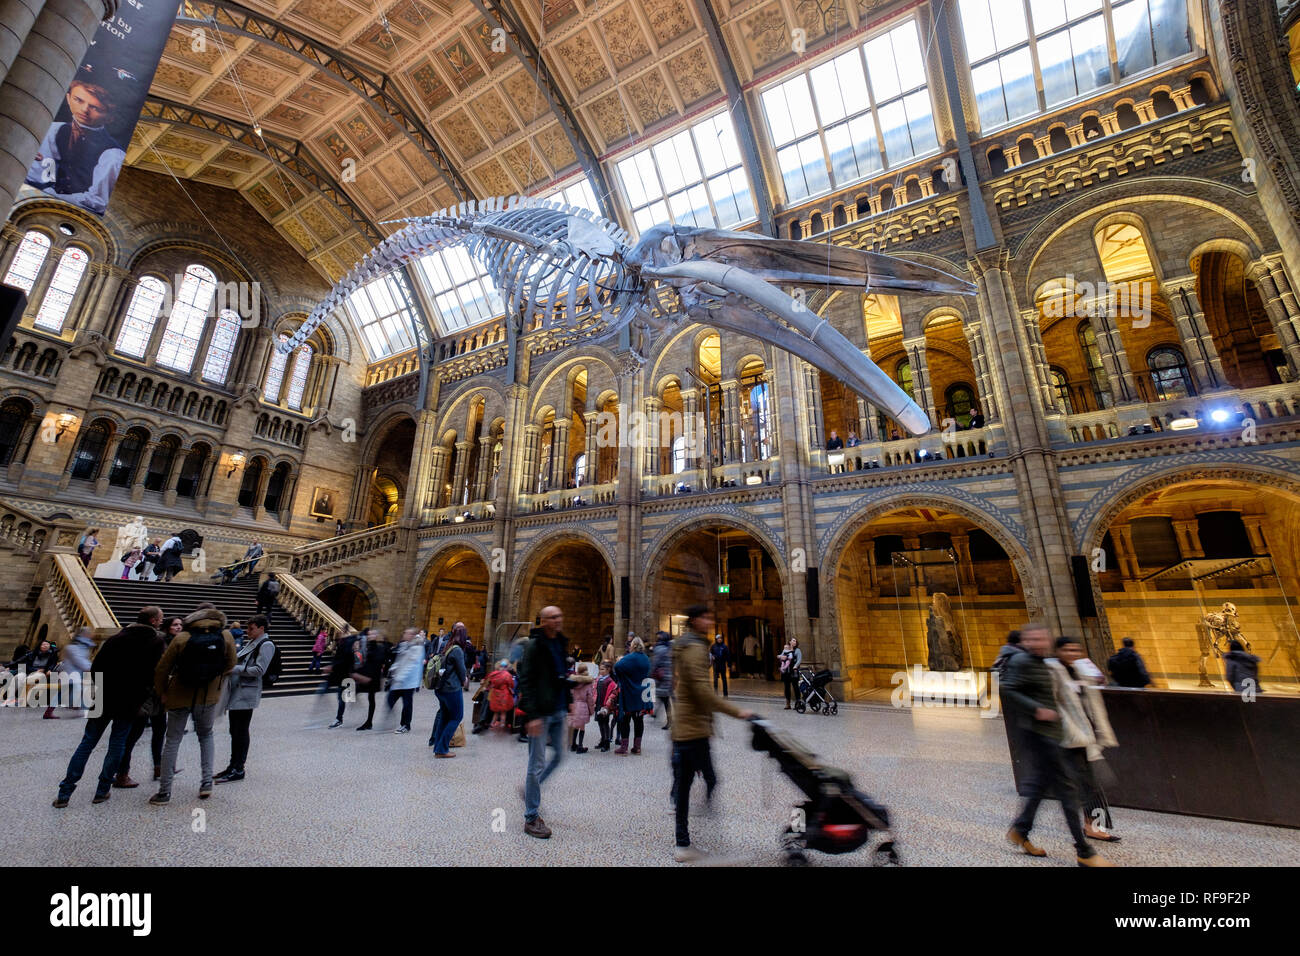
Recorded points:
275,372
141,316
58,298
298,378
13,416
679,455
85,463
185,324
904,376
760,402
960,398
1061,385
28,261
1169,374
252,479
1096,370
221,349
580,470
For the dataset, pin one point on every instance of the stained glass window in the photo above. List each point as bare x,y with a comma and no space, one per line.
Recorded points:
141,316
694,178
58,298
275,372
189,313
298,378
221,349
852,116
28,261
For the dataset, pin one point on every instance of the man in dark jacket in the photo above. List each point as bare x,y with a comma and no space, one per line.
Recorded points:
267,594
1241,669
1126,667
720,656
1028,691
544,700
125,665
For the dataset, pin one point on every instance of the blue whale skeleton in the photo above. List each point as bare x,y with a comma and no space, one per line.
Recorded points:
575,270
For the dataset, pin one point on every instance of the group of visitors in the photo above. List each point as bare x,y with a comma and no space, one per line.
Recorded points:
149,560
162,676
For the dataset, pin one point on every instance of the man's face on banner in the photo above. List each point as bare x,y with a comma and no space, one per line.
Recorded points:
88,109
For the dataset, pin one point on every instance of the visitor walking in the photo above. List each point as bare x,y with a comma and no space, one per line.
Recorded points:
692,727
1006,652
317,649
74,664
634,699
152,715
1241,669
126,666
1127,668
661,672
543,699
501,695
189,680
791,658
169,558
582,704
86,545
404,676
1027,687
340,673
253,663
267,594
720,658
1085,730
374,662
450,690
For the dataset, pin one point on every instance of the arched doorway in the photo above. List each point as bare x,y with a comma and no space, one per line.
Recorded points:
387,472
350,601
733,572
1182,550
887,582
574,575
455,588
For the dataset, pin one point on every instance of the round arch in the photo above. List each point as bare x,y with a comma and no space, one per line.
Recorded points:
544,547
467,600
366,612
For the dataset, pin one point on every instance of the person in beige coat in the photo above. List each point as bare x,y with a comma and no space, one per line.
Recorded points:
1086,731
189,680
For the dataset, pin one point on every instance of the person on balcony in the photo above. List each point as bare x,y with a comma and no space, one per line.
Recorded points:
853,440
976,417
835,442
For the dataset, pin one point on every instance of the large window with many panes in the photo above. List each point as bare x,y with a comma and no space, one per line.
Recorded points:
462,293
1031,55
189,315
851,116
381,313
693,178
62,290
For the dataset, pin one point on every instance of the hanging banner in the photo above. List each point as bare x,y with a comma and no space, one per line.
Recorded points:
81,156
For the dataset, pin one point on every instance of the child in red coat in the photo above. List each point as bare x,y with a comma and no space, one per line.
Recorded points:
501,693
582,704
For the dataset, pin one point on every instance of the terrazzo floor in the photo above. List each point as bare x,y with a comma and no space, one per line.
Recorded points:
322,797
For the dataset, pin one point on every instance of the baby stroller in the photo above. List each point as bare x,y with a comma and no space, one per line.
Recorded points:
815,692
836,818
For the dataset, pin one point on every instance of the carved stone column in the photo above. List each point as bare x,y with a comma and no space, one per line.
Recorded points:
532,448
1255,530
651,438
1114,358
591,449
174,477
1198,344
117,284
731,420
485,444
915,348
462,470
142,470
1286,324
690,428
1189,539
560,452
106,463
437,476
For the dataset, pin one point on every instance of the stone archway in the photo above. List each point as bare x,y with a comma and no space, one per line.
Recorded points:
454,587
574,571
351,598
884,569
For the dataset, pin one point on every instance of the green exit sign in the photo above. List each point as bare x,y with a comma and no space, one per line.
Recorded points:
724,588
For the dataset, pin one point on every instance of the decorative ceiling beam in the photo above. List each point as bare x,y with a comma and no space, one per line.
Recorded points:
286,153
374,85
528,53
744,121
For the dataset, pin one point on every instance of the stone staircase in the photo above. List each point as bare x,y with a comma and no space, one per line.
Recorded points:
238,601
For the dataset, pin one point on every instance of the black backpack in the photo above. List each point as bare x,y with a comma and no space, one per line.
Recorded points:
202,659
273,669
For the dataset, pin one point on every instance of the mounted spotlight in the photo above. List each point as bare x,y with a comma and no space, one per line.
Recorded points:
65,421
754,479
1183,422
236,462
1220,415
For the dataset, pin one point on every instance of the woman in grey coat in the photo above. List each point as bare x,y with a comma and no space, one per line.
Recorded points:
253,661
661,671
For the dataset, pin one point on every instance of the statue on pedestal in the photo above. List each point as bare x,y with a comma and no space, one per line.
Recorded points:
130,536
942,642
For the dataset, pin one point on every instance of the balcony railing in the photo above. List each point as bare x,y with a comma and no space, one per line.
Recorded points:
1217,410
331,552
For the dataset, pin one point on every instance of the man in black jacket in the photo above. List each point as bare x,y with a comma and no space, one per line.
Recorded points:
1027,689
544,699
267,594
125,665
1126,667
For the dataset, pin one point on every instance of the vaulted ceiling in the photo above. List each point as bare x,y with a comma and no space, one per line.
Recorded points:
345,113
